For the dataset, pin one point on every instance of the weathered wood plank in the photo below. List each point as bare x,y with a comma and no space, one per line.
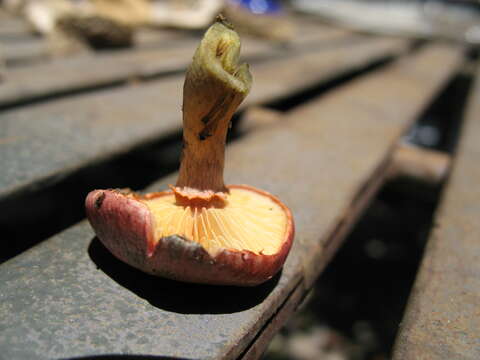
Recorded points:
43,142
25,52
13,28
442,320
90,70
31,57
79,301
408,160
95,70
428,166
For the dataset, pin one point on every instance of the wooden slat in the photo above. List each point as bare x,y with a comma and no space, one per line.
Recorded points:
25,52
408,161
31,56
13,28
79,301
41,143
442,320
146,38
94,70
425,165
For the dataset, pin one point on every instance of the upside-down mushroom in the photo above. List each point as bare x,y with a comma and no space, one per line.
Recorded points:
200,230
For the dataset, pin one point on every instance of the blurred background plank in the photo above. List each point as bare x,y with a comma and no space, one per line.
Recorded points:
90,71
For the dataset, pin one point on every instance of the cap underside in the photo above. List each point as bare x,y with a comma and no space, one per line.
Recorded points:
249,221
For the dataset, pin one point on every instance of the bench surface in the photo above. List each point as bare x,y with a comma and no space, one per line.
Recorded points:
77,300
68,297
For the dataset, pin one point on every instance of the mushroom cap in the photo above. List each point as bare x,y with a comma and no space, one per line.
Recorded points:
131,231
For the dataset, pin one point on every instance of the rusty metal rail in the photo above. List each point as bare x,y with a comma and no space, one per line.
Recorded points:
69,298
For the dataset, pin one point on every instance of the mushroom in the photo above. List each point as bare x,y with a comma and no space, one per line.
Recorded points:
200,230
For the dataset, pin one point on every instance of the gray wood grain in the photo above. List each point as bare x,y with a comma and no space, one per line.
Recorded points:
68,297
155,54
442,319
42,143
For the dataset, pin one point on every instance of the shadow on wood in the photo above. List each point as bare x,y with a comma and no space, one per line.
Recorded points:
175,296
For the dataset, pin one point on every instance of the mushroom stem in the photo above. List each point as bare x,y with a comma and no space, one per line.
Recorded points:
214,87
